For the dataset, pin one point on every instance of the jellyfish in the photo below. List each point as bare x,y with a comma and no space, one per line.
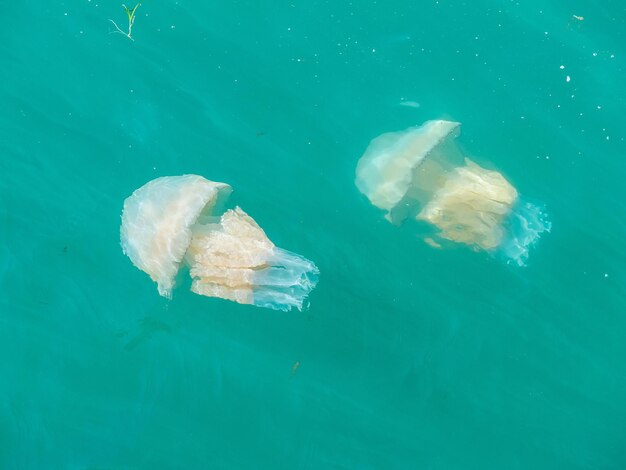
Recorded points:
176,221
420,173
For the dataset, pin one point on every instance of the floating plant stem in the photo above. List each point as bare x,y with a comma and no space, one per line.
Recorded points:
131,20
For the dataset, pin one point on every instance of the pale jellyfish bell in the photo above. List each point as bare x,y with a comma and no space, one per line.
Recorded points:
177,220
421,173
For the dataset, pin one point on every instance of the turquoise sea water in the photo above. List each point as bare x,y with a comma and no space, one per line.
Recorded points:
409,357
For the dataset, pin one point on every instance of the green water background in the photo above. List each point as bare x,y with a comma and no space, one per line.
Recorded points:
409,357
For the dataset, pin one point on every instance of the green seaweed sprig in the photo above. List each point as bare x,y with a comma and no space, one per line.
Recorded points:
131,14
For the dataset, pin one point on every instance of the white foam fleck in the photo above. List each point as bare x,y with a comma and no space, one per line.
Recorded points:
410,104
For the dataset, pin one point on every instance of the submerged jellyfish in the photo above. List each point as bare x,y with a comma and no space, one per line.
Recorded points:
175,220
420,173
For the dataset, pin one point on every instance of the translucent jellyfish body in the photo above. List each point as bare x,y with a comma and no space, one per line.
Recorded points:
420,173
174,220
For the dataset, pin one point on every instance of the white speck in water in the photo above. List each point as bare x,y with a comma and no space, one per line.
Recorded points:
567,79
562,67
410,104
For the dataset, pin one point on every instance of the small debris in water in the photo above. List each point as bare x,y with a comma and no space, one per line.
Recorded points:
431,242
410,104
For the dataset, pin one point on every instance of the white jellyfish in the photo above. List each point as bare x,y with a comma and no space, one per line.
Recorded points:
420,173
175,220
